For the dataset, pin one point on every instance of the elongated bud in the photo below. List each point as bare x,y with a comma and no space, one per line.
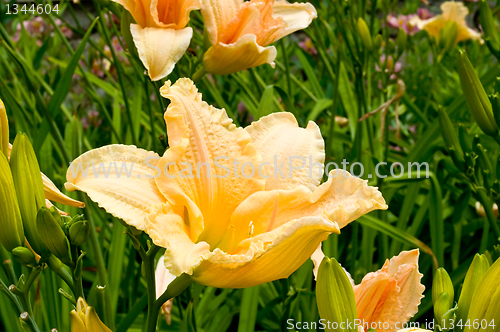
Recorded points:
442,284
52,235
401,41
4,131
485,304
334,295
29,188
449,134
79,232
475,96
11,225
441,306
364,33
475,273
488,24
24,256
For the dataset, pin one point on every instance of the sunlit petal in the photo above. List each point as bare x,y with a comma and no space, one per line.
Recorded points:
297,16
199,163
54,194
282,142
267,257
160,48
120,179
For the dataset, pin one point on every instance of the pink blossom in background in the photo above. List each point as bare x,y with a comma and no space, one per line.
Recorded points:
91,119
424,13
67,32
308,46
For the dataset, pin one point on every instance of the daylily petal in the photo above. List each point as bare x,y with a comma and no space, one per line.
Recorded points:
173,13
49,204
94,323
54,194
342,199
120,179
140,11
281,141
217,14
160,48
223,59
454,11
391,294
205,139
297,16
257,262
167,229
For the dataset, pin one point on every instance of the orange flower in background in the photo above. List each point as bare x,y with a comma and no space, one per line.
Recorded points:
160,35
390,295
452,12
240,32
226,228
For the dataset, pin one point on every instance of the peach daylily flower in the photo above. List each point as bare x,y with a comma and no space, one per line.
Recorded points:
390,295
452,11
227,228
160,35
240,32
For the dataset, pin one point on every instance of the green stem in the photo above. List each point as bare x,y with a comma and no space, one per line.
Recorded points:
198,75
287,68
175,288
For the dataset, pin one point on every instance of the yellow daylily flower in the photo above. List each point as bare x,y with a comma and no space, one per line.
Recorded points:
390,295
454,12
85,319
160,35
211,200
52,193
163,278
240,31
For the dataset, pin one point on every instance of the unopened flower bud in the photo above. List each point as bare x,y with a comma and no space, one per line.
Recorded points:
29,189
476,271
377,42
442,284
475,96
488,24
79,232
401,41
334,293
11,225
4,131
52,235
364,33
24,256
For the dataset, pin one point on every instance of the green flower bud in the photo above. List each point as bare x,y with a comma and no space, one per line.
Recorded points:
475,96
52,235
4,131
449,134
364,33
488,25
11,225
475,273
24,256
464,139
485,303
79,232
401,41
442,284
441,306
334,294
29,188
